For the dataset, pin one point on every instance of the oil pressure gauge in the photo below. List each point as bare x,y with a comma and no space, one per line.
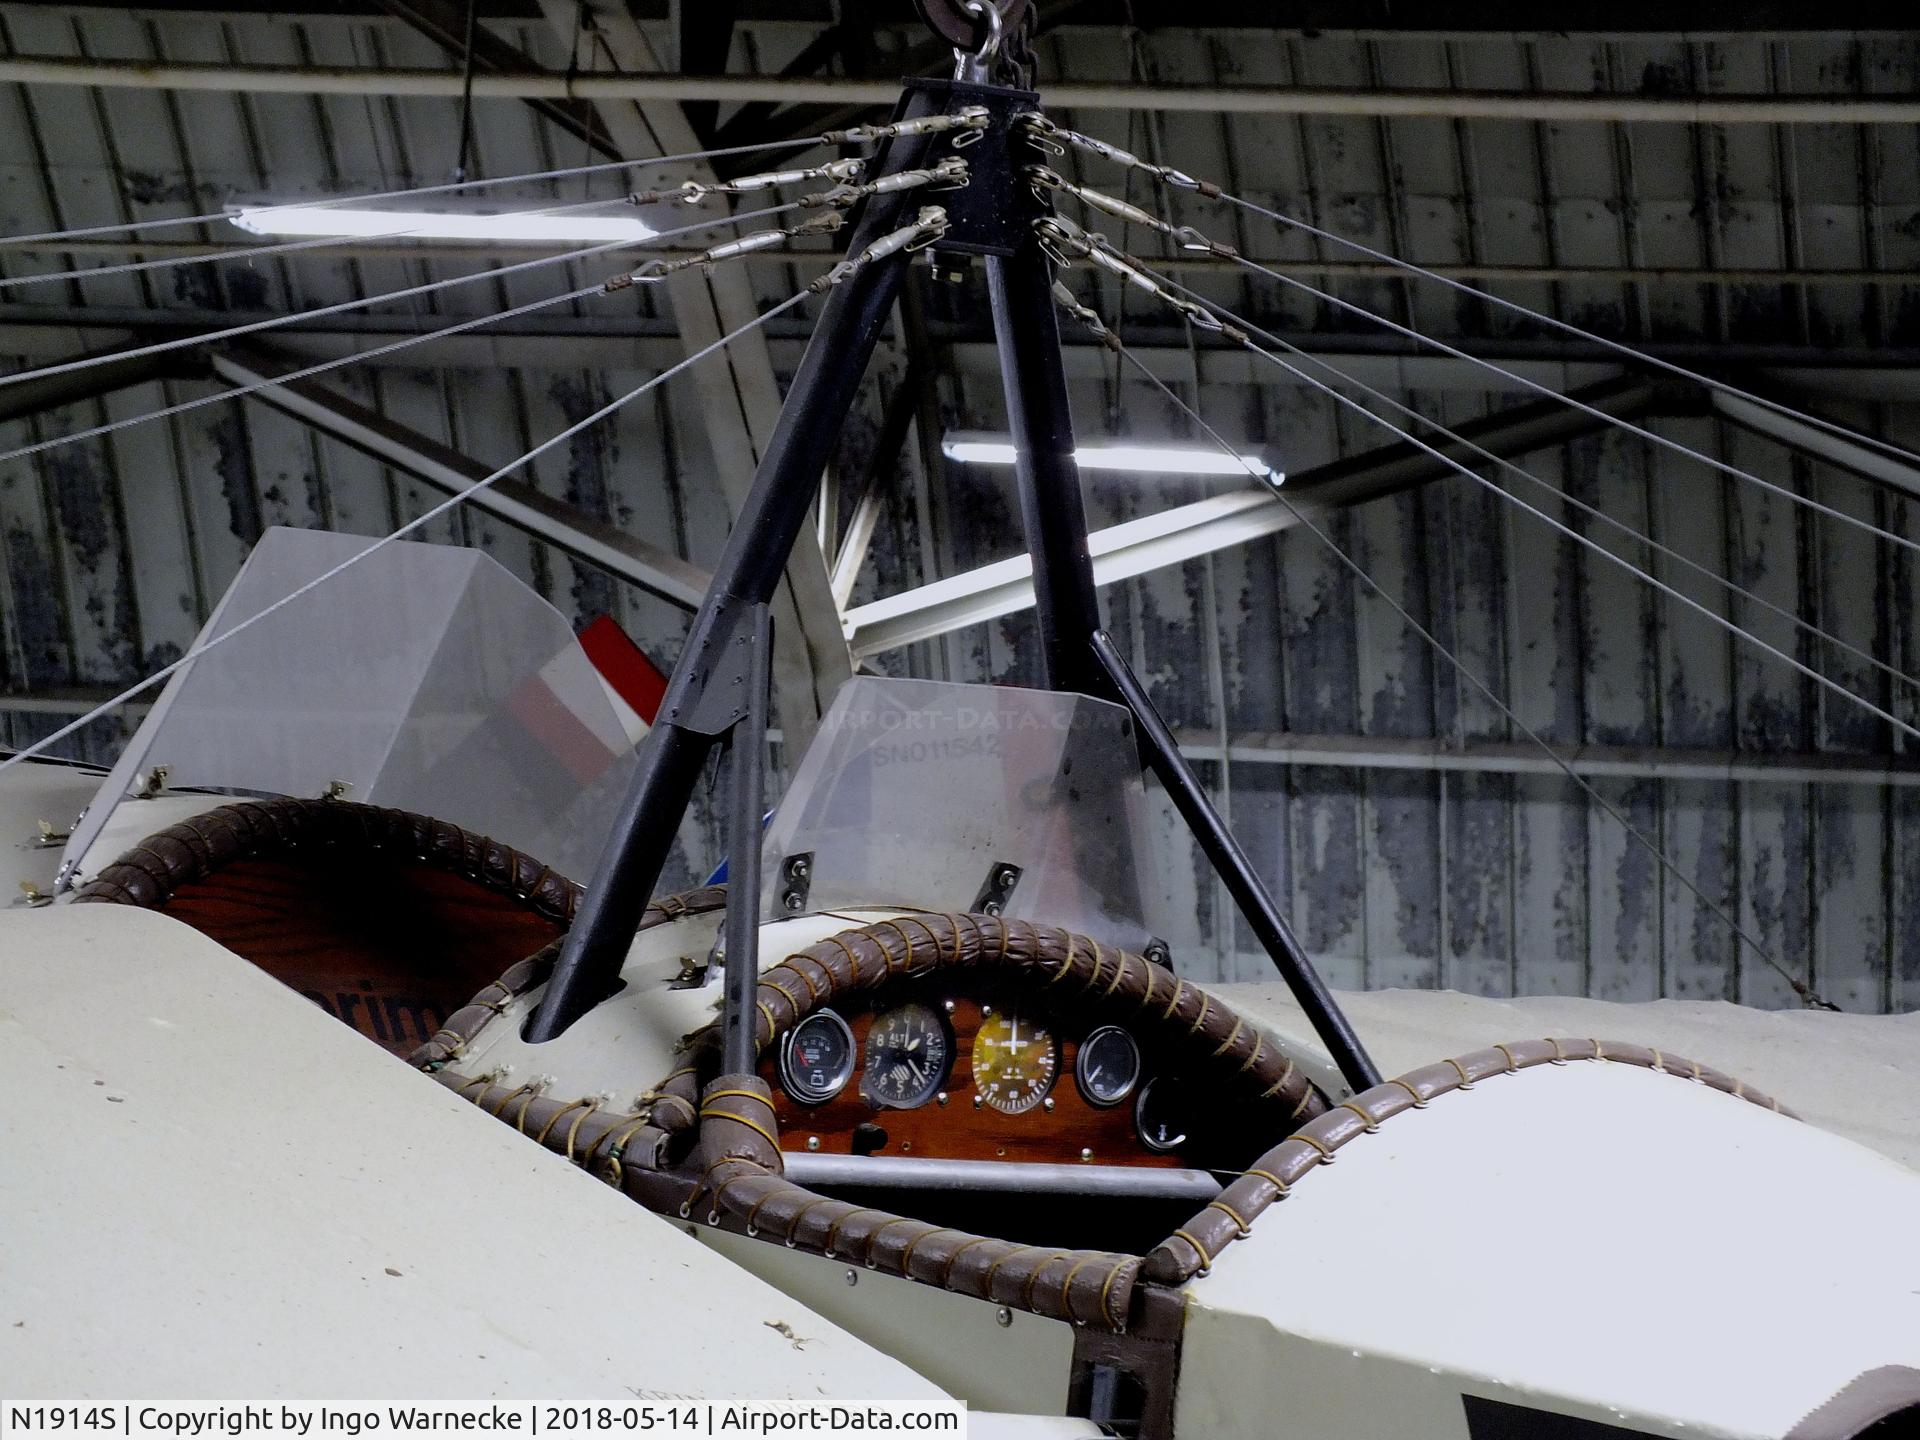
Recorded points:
816,1060
1107,1067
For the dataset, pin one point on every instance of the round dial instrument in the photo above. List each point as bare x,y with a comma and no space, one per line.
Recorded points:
1107,1066
1014,1062
1160,1114
816,1060
907,1058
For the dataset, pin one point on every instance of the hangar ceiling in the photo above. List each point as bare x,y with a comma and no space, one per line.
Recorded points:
1416,837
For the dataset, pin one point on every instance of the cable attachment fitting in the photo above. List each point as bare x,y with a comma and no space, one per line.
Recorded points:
949,174
1186,237
1087,316
972,118
1045,180
656,270
1065,241
1177,178
927,227
1039,131
695,191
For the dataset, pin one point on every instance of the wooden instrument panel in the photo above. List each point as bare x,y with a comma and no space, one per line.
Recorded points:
959,1129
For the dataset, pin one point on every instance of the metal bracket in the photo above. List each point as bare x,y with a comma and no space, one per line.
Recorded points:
993,896
994,212
709,694
152,783
1158,952
49,838
796,879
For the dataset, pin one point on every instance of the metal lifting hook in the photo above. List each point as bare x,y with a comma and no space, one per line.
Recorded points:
977,68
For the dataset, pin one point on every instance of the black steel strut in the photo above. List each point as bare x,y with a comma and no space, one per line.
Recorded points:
696,710
1230,862
722,671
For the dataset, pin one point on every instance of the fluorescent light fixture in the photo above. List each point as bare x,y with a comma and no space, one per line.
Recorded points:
346,221
979,447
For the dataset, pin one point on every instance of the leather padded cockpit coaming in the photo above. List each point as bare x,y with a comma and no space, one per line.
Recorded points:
1882,1404
387,920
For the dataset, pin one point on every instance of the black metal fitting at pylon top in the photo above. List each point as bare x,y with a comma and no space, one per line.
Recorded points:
995,211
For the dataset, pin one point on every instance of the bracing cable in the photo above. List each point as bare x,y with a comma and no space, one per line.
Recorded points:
1193,306
1800,987
273,322
1053,136
452,501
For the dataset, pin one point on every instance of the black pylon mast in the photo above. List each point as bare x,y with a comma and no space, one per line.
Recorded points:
994,215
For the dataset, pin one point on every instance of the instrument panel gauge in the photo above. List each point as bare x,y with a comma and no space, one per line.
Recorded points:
1014,1062
1107,1066
908,1055
816,1059
1159,1115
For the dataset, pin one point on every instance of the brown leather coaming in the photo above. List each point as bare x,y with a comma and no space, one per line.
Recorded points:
732,1178
1194,1246
1202,1037
451,1039
153,871
1085,1287
387,920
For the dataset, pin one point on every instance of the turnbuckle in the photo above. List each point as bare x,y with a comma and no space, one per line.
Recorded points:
1054,137
927,227
948,174
1045,180
971,118
656,270
695,191
1064,241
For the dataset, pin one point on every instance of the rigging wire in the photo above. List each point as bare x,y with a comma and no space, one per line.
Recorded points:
1243,336
1678,447
160,347
459,497
290,247
1176,179
1592,511
19,242
465,147
307,373
947,173
1194,240
654,270
1807,994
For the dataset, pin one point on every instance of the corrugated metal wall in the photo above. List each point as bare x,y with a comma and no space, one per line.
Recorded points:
1489,882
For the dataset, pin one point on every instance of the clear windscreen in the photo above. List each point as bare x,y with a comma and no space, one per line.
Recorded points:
918,793
427,678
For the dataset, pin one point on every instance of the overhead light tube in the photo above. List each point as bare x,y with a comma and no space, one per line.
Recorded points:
981,447
351,223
